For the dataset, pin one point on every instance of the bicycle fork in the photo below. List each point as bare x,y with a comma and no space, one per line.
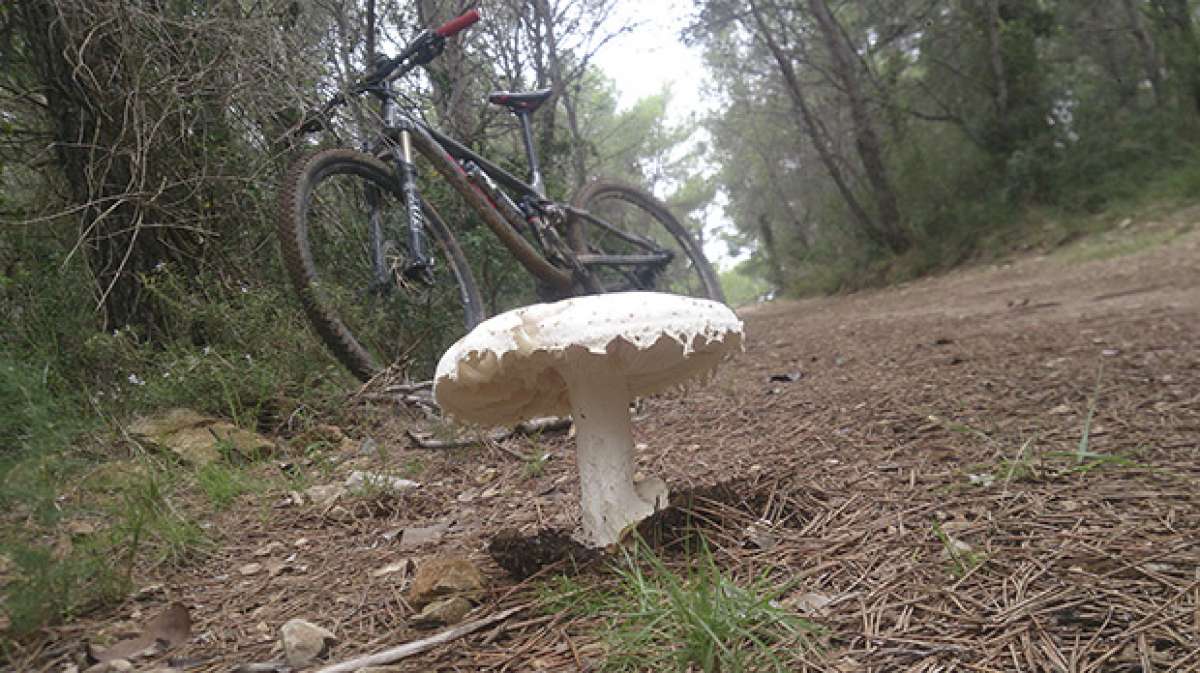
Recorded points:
418,266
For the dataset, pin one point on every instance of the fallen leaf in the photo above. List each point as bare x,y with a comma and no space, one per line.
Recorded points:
149,591
270,549
810,603
277,567
171,627
400,566
80,528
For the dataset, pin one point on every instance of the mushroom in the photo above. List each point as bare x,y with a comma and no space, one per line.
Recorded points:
590,356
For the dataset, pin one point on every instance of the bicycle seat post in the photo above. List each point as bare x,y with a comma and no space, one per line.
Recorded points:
535,171
523,105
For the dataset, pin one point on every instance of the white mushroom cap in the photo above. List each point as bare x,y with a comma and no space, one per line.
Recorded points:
506,369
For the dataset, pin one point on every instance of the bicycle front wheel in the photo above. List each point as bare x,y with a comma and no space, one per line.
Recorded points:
627,224
349,274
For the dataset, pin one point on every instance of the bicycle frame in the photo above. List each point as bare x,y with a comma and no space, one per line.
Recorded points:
482,183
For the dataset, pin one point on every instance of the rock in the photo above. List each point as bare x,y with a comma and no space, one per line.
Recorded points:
443,613
198,439
250,568
443,576
359,481
304,641
416,536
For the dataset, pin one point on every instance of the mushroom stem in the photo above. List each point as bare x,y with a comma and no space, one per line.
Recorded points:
610,499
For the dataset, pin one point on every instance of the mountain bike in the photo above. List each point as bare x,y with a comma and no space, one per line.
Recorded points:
380,274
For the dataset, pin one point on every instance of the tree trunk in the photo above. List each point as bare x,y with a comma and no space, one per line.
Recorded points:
774,266
866,140
1146,46
447,74
105,178
996,60
810,127
562,92
1177,19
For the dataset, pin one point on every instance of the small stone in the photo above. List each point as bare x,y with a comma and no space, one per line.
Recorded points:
444,612
250,569
366,480
416,536
303,642
324,495
111,666
442,576
956,548
1062,410
984,479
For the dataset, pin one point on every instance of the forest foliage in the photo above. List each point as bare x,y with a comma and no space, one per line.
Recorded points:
866,142
847,143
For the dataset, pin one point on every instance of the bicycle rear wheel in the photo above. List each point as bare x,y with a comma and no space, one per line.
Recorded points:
634,212
370,316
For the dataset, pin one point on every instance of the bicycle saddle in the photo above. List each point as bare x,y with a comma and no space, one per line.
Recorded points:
520,102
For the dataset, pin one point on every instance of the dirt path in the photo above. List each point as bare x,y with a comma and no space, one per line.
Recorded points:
945,412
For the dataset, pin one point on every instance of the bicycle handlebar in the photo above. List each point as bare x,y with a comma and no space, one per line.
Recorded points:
427,46
457,24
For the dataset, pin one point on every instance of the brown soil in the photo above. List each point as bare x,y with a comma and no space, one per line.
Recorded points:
903,397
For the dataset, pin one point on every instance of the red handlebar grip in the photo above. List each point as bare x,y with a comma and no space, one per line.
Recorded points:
455,25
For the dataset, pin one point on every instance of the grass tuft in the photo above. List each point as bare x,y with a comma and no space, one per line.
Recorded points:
695,619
